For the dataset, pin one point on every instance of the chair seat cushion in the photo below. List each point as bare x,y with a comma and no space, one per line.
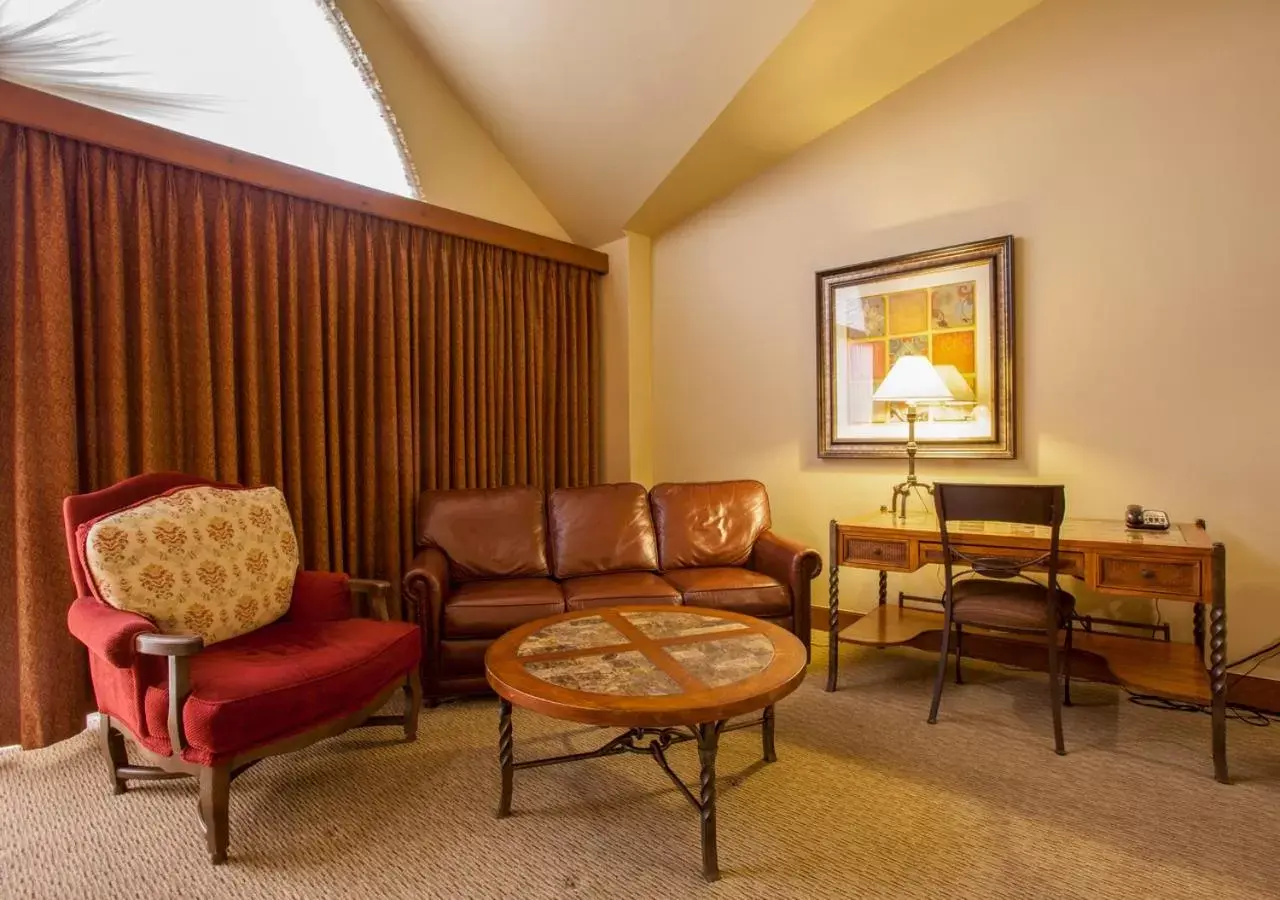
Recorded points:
734,589
1005,603
487,609
592,591
284,679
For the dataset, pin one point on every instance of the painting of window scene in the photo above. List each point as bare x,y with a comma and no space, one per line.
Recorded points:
949,314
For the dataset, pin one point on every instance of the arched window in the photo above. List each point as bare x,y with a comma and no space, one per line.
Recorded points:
280,78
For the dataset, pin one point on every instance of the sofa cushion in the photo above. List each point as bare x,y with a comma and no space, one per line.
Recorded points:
284,679
213,561
708,524
488,533
487,609
737,590
616,589
605,528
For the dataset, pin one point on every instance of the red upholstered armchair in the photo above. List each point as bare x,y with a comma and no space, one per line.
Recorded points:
211,712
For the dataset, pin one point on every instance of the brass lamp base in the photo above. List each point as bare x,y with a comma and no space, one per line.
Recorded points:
904,489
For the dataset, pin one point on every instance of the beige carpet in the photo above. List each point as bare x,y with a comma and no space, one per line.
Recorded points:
866,800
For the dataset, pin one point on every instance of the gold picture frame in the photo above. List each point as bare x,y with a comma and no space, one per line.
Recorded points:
954,305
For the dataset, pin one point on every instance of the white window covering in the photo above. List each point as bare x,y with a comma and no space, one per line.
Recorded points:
279,78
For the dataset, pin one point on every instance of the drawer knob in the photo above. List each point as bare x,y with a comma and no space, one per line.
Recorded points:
878,551
1147,573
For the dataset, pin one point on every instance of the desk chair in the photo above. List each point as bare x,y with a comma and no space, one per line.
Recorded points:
993,591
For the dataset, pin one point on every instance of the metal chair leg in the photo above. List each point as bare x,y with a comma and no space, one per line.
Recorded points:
959,651
1066,669
1055,698
942,667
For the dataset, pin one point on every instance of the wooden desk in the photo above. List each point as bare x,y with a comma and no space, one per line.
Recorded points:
1179,564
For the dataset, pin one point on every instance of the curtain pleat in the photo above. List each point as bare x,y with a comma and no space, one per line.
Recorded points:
155,318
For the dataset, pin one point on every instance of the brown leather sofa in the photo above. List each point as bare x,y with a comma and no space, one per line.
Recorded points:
489,560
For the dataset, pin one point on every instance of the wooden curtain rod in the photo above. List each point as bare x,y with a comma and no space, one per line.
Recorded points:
35,109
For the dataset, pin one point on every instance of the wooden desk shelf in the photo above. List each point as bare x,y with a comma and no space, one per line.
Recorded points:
1162,668
1179,564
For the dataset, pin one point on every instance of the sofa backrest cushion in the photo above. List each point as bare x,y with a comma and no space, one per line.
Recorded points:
605,528
486,533
708,523
209,560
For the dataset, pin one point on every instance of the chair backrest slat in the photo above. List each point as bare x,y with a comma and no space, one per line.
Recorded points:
1020,504
1023,504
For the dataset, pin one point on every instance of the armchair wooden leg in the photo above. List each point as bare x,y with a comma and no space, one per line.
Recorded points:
412,705
215,790
112,744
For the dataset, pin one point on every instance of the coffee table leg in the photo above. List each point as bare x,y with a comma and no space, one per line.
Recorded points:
766,728
708,743
505,755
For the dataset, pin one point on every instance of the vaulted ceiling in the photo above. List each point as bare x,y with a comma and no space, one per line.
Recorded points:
633,114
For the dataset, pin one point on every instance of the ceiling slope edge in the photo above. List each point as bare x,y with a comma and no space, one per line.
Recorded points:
460,165
841,57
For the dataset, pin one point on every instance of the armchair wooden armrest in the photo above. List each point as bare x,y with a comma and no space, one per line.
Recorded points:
178,648
369,598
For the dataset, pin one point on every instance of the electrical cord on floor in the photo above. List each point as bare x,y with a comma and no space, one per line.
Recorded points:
1249,715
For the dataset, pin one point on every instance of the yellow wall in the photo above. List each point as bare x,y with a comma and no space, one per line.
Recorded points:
459,165
1130,147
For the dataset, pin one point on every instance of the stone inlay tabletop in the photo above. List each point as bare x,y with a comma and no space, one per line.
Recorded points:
645,653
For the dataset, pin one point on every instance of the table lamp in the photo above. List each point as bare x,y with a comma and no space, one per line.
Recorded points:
912,381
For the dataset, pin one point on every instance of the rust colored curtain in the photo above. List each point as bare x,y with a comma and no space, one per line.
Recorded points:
154,318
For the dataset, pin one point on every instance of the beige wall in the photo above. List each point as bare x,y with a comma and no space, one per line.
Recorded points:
626,362
459,165
615,353
1131,148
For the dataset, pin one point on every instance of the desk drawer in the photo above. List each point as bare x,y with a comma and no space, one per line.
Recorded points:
1149,576
875,553
1069,563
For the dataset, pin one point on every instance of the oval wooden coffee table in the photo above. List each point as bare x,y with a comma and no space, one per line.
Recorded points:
667,674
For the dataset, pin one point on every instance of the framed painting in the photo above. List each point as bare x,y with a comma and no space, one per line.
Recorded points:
953,306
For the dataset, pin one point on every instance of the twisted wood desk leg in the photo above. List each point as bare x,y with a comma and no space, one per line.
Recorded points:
833,624
1218,662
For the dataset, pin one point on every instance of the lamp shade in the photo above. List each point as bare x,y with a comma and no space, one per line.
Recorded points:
955,383
913,380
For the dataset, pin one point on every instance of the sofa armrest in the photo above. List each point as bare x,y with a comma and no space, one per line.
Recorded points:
794,565
108,632
426,586
425,590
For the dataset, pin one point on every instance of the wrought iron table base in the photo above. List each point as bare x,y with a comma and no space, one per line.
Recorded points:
651,742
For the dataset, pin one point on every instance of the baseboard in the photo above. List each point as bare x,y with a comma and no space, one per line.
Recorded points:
1250,691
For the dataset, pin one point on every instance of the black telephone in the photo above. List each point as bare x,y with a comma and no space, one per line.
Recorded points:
1147,519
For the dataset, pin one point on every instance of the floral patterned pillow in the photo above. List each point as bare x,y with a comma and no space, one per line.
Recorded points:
217,562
